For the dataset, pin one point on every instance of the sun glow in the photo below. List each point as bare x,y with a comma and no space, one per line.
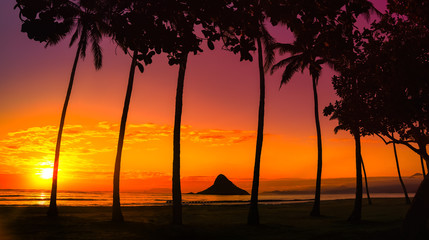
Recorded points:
45,173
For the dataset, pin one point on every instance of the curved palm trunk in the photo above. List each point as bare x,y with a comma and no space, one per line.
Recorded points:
423,167
53,210
357,211
177,192
116,210
316,206
407,199
366,184
417,215
253,217
427,165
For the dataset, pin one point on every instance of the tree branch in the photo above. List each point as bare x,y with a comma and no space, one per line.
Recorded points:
406,143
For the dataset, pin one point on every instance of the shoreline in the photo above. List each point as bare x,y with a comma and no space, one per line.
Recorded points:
382,220
34,198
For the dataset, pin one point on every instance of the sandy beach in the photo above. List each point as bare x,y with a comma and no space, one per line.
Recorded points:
382,220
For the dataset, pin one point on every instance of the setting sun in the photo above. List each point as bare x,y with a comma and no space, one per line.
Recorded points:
45,173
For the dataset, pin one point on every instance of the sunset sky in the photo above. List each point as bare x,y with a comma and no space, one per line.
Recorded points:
219,120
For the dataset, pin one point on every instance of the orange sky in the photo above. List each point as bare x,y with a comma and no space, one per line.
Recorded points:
219,120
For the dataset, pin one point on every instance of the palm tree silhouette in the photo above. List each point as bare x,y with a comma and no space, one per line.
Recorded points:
187,42
134,28
176,190
116,209
268,41
304,54
88,29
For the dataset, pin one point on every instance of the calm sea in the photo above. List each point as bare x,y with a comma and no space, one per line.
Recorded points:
41,198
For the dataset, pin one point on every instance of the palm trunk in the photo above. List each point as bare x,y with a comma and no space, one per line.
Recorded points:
53,211
423,167
427,165
316,206
407,199
366,184
116,210
357,211
417,215
253,217
177,191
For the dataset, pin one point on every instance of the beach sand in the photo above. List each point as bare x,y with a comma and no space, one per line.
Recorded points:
382,220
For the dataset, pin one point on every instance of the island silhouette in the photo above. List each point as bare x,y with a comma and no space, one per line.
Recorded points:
223,186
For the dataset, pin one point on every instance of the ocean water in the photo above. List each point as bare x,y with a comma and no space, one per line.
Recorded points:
41,198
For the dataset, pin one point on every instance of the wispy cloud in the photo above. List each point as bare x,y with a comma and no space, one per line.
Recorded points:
33,148
218,137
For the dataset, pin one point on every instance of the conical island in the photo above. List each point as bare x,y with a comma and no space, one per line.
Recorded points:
223,186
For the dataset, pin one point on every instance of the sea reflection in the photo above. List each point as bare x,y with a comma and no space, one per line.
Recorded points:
41,198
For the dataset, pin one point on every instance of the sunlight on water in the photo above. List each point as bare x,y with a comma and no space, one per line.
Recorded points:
41,198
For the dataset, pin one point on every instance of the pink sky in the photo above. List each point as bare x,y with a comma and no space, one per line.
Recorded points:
220,105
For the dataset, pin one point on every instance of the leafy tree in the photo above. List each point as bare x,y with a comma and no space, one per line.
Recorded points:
51,21
400,68
392,82
401,73
351,111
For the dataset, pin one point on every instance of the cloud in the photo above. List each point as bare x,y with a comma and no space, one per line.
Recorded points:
34,147
218,137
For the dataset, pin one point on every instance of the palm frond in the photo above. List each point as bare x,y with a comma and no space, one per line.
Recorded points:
332,64
268,41
95,33
83,43
283,63
74,36
286,48
315,72
53,40
98,55
289,71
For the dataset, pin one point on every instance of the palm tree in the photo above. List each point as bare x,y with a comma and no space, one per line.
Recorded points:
88,30
304,54
268,41
177,192
253,217
134,28
116,210
186,42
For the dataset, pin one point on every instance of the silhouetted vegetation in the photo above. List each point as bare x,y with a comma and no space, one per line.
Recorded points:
50,22
381,81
